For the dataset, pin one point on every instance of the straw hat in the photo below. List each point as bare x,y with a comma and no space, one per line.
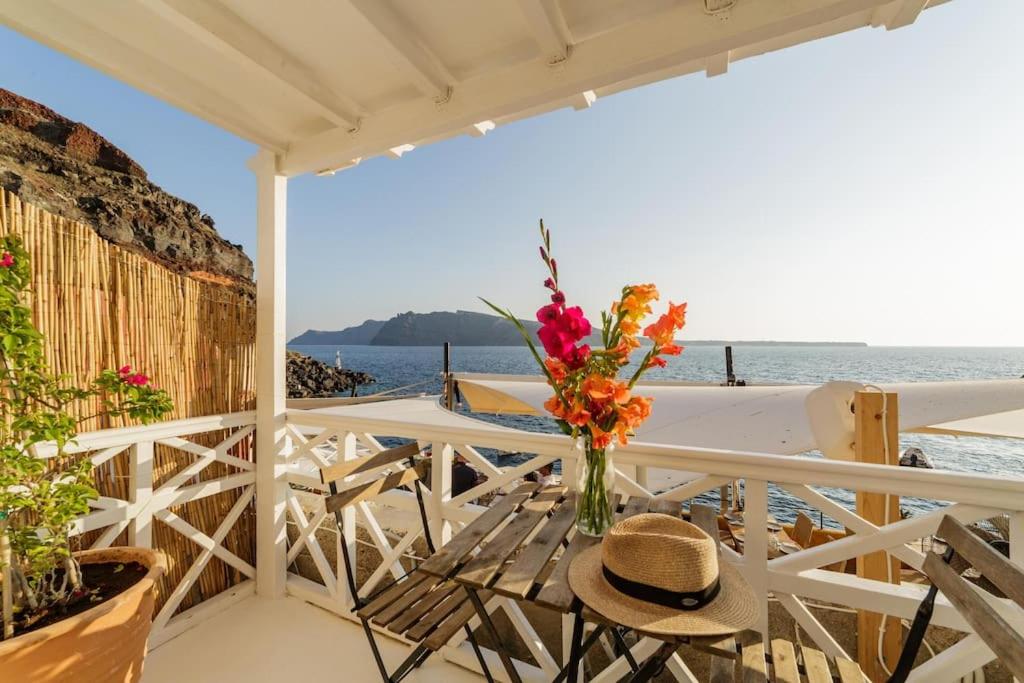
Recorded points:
661,575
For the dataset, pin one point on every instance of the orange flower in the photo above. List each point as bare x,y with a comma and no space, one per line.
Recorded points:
578,415
601,389
559,371
636,411
554,406
629,327
677,313
646,292
599,438
671,350
656,362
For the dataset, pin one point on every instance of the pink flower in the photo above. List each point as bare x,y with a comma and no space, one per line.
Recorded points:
578,357
125,370
573,322
558,297
138,379
550,284
548,314
557,342
7,260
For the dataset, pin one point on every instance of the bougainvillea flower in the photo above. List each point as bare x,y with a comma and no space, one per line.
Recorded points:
7,260
138,379
125,370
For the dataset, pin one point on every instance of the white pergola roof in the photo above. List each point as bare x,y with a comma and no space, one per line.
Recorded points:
325,84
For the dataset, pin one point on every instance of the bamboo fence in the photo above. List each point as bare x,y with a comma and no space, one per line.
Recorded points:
101,306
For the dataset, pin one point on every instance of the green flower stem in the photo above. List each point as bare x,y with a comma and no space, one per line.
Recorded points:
594,514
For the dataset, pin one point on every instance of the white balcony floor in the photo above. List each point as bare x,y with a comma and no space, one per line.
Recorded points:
282,640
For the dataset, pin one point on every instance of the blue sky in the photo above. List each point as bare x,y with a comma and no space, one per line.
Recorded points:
864,187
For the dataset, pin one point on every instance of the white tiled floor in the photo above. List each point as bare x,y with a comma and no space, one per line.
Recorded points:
282,640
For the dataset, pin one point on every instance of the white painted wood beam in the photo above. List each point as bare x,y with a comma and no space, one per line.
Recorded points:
548,28
67,26
271,440
905,14
683,35
409,52
717,64
397,152
218,27
583,100
481,128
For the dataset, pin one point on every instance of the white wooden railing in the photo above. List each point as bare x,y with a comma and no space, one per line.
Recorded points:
793,580
146,502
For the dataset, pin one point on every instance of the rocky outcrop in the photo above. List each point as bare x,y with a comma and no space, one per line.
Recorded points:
70,170
310,378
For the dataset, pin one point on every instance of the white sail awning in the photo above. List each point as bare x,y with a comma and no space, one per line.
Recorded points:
773,419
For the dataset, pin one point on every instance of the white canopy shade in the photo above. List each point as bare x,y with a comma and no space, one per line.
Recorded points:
772,419
324,85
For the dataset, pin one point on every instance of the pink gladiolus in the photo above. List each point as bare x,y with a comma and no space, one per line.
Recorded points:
574,322
578,357
548,314
558,297
550,284
7,260
557,343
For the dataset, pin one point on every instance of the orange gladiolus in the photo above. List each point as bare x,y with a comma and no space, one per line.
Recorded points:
600,389
559,371
578,416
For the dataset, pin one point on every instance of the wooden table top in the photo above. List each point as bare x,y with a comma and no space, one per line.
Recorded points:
518,538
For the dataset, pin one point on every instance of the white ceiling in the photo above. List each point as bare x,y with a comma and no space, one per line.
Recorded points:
326,83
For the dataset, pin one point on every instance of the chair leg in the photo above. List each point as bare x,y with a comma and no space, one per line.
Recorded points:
485,620
580,649
654,663
417,657
576,650
376,651
621,642
479,655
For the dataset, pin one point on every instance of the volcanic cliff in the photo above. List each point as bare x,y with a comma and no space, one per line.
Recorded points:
70,170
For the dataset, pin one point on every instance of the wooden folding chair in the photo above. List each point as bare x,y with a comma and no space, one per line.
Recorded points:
424,609
1006,642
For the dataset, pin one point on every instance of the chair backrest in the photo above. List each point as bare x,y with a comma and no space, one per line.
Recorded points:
803,529
1001,638
342,496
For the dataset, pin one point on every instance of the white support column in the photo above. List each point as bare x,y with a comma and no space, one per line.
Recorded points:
140,475
442,456
271,203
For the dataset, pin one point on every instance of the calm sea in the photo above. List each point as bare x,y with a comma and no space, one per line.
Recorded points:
401,366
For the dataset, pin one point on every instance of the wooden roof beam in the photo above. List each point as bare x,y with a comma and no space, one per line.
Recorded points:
409,52
548,27
902,14
221,29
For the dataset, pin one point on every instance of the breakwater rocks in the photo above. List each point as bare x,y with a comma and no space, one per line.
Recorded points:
309,378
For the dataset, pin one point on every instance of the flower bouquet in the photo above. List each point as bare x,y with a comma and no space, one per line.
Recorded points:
590,403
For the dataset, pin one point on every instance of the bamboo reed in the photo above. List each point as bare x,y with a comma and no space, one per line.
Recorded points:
102,306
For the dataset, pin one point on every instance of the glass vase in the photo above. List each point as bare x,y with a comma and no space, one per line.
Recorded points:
595,485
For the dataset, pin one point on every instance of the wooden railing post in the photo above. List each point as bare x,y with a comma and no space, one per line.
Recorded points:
877,424
755,549
140,474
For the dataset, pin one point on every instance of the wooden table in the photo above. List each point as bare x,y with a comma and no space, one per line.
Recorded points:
516,542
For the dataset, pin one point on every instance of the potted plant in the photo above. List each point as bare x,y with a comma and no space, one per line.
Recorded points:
65,614
590,403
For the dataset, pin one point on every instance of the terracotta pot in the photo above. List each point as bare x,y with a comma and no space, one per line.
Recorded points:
102,645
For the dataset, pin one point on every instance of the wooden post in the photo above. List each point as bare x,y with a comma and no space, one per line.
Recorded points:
449,388
869,447
730,376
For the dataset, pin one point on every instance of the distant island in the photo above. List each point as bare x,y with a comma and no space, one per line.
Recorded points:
467,328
